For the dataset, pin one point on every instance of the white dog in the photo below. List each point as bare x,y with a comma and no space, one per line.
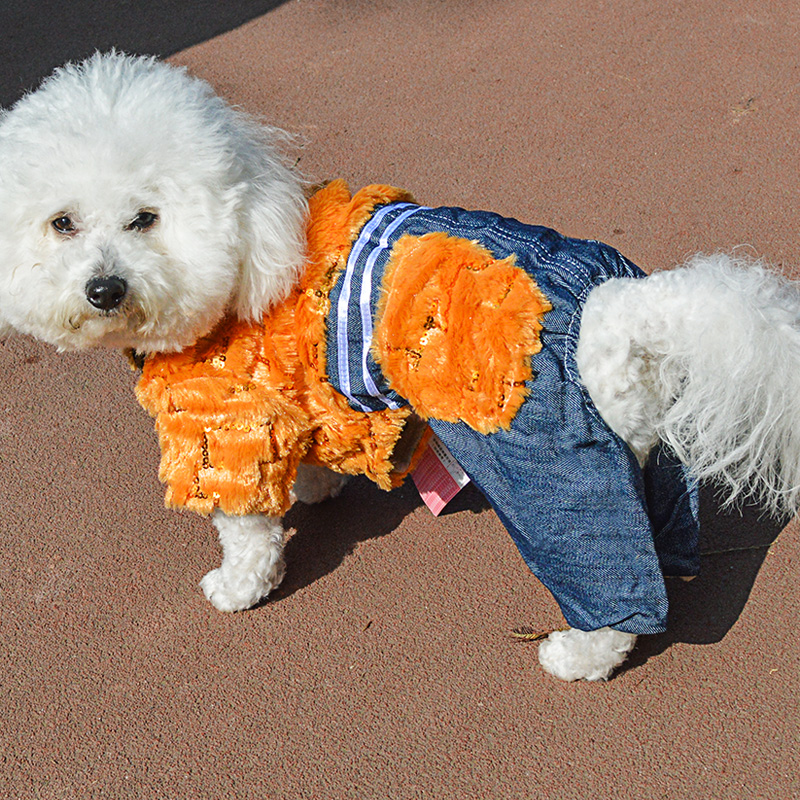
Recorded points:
139,209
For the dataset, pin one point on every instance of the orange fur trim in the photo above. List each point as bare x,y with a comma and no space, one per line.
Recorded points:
456,330
238,411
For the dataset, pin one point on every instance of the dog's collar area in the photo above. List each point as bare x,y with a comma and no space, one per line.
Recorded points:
134,358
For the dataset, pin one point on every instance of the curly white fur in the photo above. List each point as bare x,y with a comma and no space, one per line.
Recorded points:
706,358
252,546
128,169
99,143
589,655
252,561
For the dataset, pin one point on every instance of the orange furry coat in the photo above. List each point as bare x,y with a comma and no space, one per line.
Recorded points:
239,410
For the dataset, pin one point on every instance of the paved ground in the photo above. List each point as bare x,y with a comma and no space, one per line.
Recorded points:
384,667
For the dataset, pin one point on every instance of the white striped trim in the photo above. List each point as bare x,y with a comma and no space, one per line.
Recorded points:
365,302
343,355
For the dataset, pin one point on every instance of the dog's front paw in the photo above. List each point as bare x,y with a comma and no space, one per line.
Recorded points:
573,655
252,561
229,591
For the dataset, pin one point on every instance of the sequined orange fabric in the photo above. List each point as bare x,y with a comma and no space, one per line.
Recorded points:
240,409
237,412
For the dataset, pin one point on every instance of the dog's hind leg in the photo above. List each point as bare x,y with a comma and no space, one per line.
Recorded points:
705,358
573,655
252,562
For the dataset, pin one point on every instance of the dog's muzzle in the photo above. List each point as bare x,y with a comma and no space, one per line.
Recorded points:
106,293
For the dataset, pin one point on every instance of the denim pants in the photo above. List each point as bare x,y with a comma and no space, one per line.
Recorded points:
597,530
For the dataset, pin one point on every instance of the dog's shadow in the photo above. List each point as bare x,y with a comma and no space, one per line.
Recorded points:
733,546
327,533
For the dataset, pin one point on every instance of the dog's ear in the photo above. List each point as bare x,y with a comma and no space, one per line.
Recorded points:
272,211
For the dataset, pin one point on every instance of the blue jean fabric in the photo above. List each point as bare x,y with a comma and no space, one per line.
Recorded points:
595,529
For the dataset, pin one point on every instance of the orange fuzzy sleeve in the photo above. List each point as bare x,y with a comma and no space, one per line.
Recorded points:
230,431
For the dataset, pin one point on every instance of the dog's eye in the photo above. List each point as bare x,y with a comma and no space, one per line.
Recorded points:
143,221
63,224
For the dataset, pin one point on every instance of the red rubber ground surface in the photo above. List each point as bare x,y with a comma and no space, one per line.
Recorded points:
384,668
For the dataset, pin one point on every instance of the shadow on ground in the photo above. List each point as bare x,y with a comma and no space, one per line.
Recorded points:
733,546
37,37
326,534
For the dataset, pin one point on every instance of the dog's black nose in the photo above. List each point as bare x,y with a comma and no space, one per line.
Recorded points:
106,293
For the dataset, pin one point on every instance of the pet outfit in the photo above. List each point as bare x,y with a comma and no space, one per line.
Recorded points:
472,321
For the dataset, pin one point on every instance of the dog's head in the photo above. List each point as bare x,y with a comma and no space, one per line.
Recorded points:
137,208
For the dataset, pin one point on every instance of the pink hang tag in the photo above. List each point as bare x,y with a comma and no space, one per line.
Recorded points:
438,476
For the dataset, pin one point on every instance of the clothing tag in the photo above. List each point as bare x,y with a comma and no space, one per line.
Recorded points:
438,476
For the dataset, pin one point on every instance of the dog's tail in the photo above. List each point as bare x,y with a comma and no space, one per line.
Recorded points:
721,336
